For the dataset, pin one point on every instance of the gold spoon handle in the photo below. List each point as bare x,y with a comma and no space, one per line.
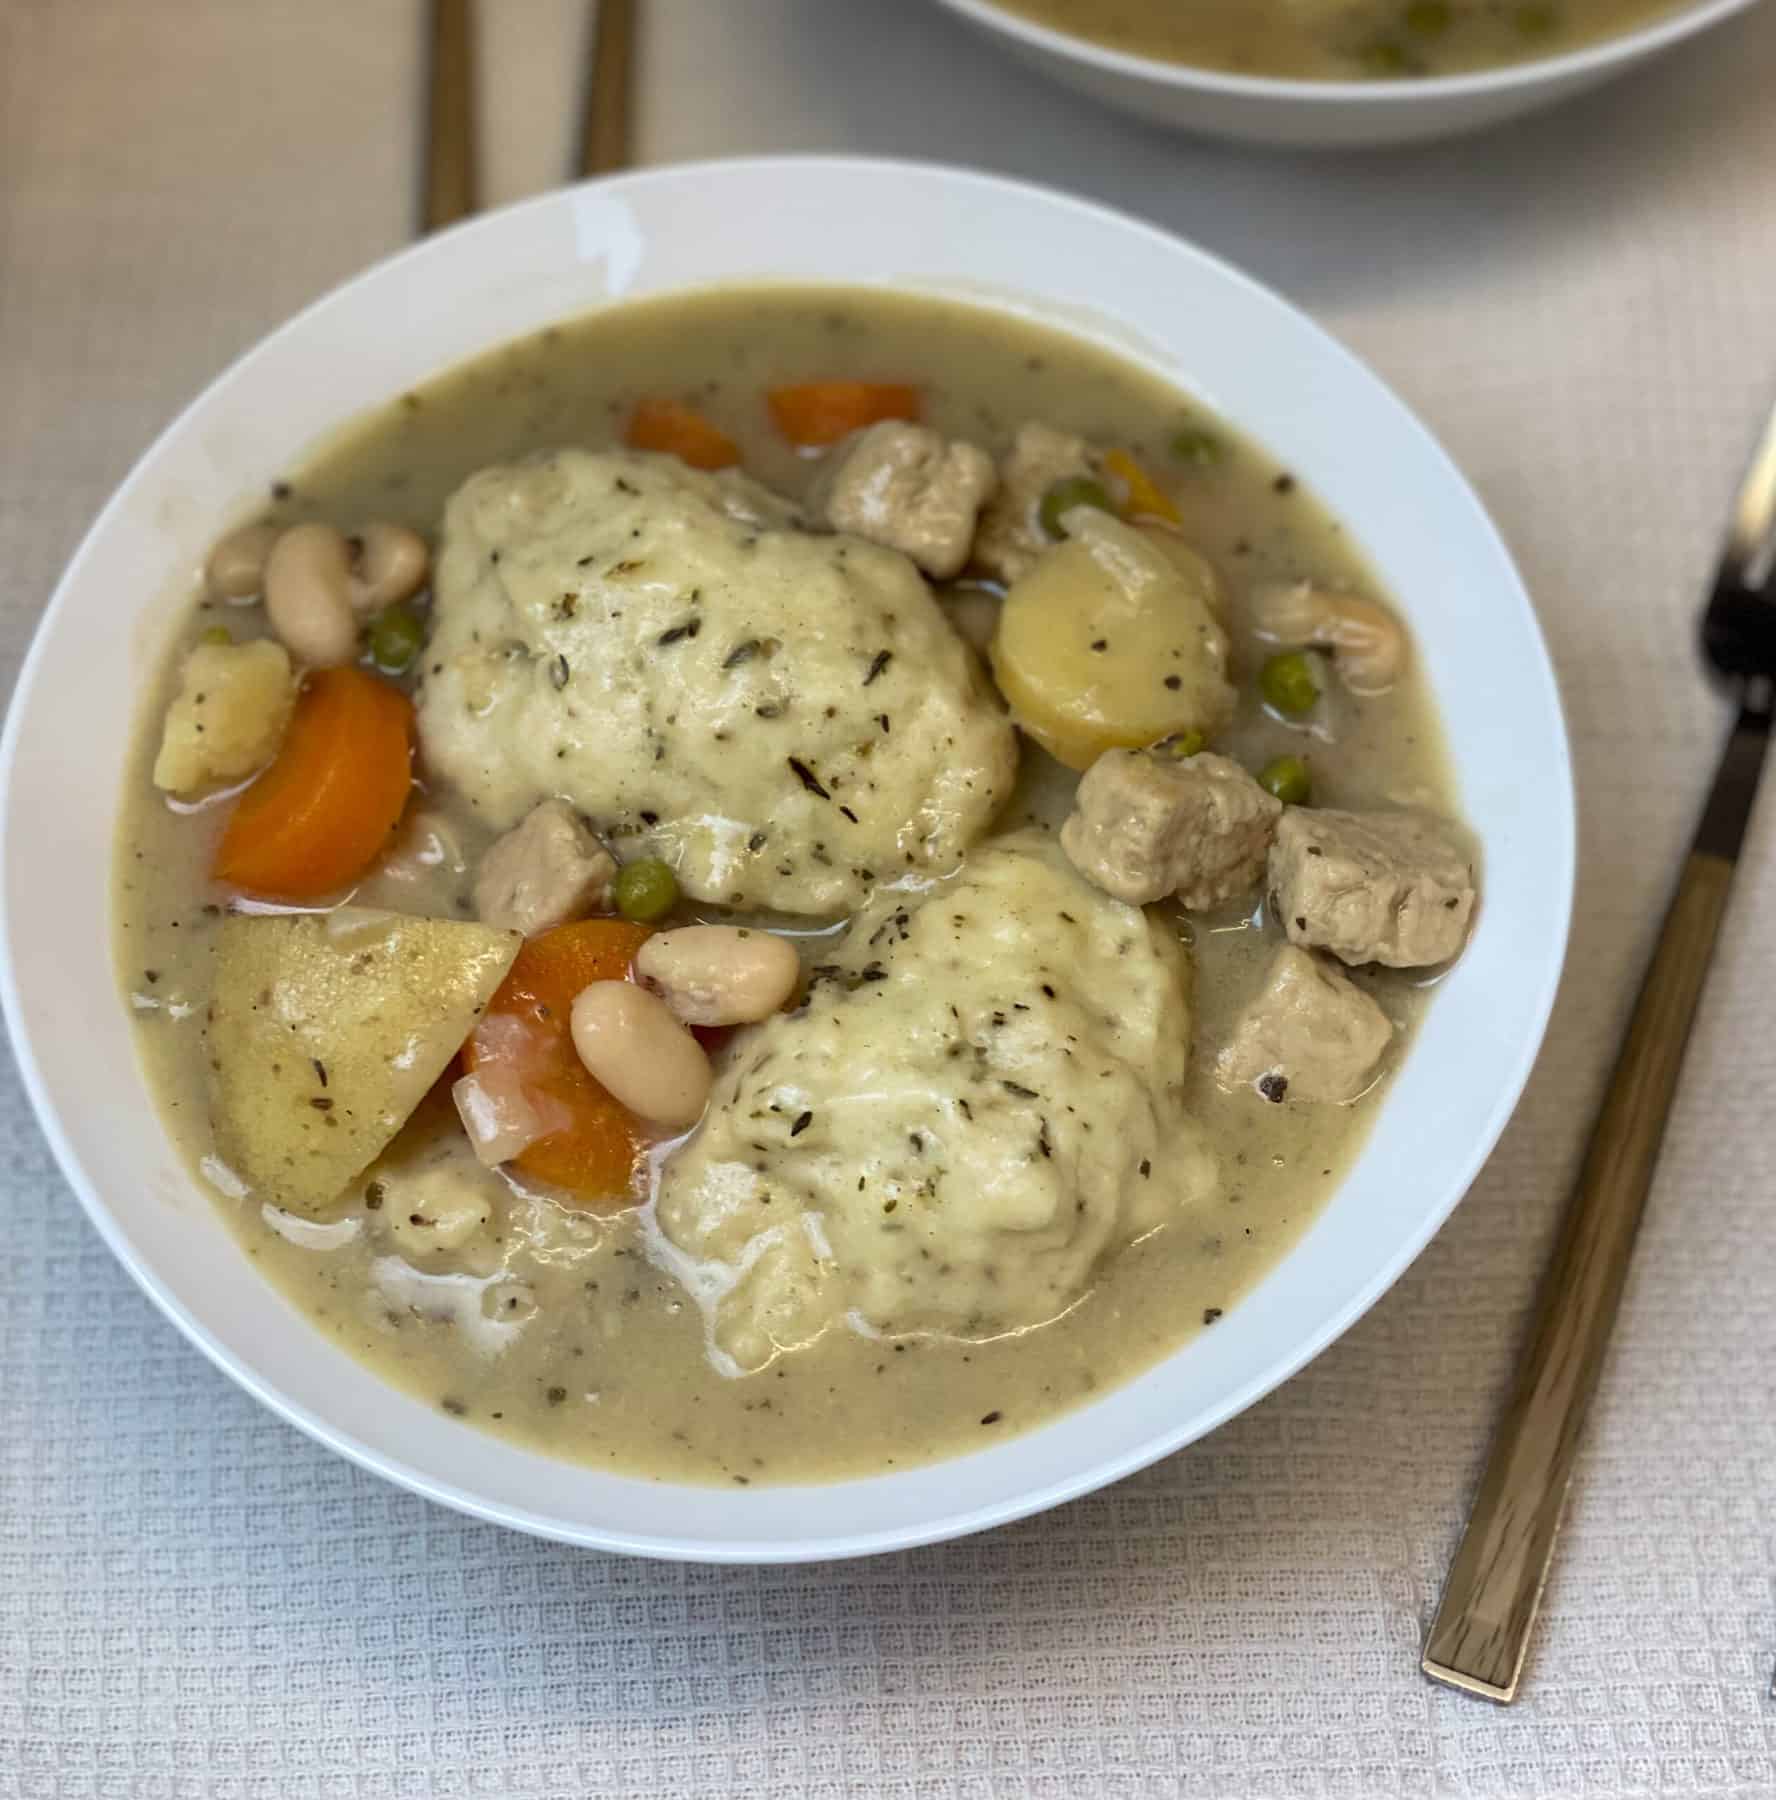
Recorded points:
1495,1583
450,118
604,139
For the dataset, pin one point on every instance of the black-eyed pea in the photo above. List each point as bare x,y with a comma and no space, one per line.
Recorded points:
308,595
632,1045
235,567
719,974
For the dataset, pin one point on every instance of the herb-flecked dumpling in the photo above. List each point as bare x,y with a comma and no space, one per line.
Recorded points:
982,1096
784,716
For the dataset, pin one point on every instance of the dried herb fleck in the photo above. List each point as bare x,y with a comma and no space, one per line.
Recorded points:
808,778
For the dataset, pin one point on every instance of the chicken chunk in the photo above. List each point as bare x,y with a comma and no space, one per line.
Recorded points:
1010,537
905,488
228,719
1385,887
1311,1034
1146,824
543,872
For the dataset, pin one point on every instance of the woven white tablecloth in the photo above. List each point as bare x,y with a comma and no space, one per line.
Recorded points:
194,1600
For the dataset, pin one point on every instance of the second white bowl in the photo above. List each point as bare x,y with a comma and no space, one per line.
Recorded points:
1329,114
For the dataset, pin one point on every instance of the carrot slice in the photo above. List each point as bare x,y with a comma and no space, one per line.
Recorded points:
318,817
1146,499
680,431
595,1151
821,412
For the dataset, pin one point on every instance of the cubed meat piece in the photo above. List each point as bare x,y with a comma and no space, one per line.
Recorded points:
906,488
1385,887
1311,1034
1146,824
1011,537
228,718
546,870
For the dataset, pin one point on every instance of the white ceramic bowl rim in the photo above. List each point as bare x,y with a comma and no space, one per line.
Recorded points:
847,221
1589,60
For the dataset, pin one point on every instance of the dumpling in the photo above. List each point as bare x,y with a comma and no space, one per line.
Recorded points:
784,717
982,1096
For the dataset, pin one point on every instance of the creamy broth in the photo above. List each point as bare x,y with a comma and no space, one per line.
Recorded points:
1338,40
567,1333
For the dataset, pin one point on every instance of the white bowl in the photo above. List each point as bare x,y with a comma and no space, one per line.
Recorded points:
1106,278
1329,114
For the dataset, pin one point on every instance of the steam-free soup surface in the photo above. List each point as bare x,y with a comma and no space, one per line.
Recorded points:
1338,40
570,1329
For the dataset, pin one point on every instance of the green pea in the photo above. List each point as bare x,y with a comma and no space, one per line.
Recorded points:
1194,445
1186,743
1428,18
646,890
215,634
1290,684
1288,779
397,635
1070,491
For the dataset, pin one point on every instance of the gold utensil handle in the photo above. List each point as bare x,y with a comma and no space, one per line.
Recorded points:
1495,1584
450,118
604,141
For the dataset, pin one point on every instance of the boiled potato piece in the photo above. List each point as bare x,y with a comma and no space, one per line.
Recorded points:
326,1032
1111,641
228,718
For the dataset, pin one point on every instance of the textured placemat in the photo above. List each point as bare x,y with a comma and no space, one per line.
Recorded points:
196,1601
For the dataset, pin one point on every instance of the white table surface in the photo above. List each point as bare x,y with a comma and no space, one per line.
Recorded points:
195,1601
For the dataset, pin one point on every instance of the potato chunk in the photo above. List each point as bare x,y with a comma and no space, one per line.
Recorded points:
228,717
1111,641
325,1033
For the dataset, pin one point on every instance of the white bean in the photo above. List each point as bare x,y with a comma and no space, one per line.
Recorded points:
308,595
388,563
235,567
633,1046
719,974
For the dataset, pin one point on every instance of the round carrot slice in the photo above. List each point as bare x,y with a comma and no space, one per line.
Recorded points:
319,816
819,413
680,431
595,1151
